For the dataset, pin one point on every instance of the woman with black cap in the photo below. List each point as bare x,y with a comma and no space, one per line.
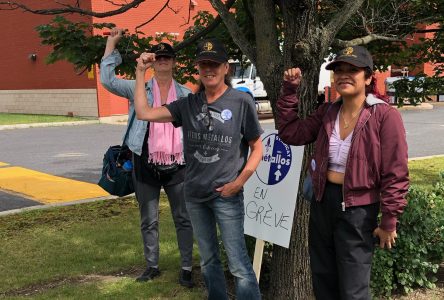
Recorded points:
359,169
219,125
152,145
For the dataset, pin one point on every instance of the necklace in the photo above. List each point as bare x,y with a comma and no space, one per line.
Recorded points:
354,115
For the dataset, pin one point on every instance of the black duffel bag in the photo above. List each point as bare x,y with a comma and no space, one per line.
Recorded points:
117,168
115,179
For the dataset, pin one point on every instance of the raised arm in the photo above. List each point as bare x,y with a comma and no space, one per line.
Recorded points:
143,110
292,129
112,41
111,59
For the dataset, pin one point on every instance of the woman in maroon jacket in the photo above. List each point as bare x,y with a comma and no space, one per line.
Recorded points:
358,169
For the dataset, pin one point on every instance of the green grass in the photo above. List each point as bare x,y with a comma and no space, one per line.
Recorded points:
55,252
94,250
424,172
11,119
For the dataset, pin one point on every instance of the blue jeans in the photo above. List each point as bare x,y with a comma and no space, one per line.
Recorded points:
228,214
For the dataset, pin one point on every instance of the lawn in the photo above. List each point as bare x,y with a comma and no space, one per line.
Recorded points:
424,172
94,251
86,251
12,119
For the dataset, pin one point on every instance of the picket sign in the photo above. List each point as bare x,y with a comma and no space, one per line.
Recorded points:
270,195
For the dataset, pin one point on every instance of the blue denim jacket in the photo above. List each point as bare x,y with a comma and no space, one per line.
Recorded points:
125,88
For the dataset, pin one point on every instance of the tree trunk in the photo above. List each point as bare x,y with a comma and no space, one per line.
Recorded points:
268,55
290,270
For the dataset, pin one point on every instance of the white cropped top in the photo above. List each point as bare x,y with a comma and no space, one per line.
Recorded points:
338,152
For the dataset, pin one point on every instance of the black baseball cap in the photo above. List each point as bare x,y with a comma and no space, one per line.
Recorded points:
211,49
163,49
357,56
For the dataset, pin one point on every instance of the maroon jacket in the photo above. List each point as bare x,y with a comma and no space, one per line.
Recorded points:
376,168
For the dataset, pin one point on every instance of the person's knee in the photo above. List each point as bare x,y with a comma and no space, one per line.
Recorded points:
149,225
240,266
209,259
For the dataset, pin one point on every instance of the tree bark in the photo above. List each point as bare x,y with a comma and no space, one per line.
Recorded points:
235,31
290,271
268,56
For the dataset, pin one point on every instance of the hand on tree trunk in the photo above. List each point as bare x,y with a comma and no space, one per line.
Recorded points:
293,76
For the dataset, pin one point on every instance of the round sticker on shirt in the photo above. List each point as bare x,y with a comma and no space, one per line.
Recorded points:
226,114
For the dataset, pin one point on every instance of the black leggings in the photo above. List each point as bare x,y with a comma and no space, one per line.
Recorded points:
341,246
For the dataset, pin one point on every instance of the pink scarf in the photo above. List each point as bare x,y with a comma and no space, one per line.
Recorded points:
164,141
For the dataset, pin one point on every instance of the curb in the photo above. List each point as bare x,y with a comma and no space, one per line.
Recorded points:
426,157
422,106
54,124
47,206
76,123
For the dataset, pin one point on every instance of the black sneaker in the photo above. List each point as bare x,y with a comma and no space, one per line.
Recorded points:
149,274
186,278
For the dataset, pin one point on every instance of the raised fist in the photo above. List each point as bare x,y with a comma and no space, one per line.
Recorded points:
115,35
293,76
145,61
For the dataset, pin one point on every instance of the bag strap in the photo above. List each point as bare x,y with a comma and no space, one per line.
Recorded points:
126,135
129,127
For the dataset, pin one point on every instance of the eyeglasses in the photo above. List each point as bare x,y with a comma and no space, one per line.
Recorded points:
207,118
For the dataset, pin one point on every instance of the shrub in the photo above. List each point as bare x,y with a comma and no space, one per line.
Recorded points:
419,249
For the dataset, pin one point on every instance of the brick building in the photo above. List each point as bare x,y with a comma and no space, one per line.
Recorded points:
29,85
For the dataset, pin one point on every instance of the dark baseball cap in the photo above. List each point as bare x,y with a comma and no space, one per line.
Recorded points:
163,49
357,56
211,49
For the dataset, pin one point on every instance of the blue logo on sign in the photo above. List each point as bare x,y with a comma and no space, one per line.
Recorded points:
276,158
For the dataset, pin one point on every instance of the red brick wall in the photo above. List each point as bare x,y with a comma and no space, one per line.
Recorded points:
166,21
19,40
426,68
429,69
380,81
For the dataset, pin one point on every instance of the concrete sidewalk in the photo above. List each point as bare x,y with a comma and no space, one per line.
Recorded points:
114,120
54,124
